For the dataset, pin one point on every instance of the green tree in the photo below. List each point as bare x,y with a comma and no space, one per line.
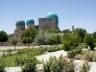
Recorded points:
54,39
2,69
94,35
30,32
89,40
42,38
66,31
53,30
29,35
81,34
3,36
69,42
27,41
14,42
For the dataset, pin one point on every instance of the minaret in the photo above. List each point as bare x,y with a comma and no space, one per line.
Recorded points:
72,29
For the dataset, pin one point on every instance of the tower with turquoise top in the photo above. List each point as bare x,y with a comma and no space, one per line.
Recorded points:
30,23
20,28
50,21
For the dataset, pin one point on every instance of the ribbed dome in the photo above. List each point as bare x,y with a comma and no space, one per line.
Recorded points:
52,15
20,22
30,21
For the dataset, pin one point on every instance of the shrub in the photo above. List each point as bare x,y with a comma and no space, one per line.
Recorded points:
30,66
54,48
58,65
87,55
19,61
63,65
85,67
72,53
69,42
2,69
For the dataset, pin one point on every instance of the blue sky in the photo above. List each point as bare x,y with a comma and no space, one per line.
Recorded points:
80,13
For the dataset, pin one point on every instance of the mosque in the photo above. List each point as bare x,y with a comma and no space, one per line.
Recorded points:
49,22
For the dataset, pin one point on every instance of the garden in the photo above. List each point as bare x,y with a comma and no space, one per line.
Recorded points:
78,44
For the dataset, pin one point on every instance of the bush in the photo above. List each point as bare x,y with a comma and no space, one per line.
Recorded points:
58,65
63,65
87,55
2,69
69,42
85,67
30,66
54,48
19,61
74,52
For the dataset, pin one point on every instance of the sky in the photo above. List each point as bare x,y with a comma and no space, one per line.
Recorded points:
80,13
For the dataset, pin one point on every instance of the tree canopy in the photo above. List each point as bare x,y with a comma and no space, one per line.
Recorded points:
89,40
3,36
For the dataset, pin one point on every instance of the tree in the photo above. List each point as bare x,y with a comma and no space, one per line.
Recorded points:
27,41
69,42
42,38
30,32
3,36
14,42
54,39
94,35
81,34
2,69
29,35
89,40
66,31
53,30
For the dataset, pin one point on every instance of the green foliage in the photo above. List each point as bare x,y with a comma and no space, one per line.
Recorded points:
54,48
21,57
3,36
42,38
66,31
2,69
89,40
53,30
45,38
81,34
9,52
69,42
30,66
30,32
87,56
14,42
54,39
85,67
94,35
58,65
74,52
27,41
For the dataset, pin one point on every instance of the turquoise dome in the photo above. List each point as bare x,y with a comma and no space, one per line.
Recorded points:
20,22
30,21
52,15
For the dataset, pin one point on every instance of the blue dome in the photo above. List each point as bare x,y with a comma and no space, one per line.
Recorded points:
30,21
20,22
52,15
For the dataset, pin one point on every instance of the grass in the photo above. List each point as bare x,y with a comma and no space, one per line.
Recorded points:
9,60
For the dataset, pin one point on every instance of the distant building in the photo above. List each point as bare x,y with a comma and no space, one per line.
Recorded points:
50,21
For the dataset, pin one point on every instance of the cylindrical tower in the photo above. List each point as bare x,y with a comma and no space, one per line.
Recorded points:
54,16
30,23
20,25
